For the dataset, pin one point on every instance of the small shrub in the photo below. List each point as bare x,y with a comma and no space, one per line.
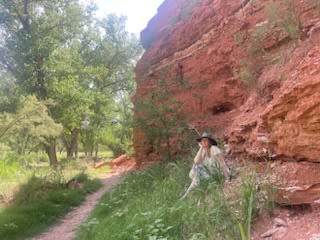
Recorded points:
160,118
240,38
282,15
252,64
285,15
256,41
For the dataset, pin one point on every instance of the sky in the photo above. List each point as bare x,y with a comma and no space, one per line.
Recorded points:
138,12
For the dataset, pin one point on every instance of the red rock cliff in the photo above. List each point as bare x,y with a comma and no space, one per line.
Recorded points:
251,71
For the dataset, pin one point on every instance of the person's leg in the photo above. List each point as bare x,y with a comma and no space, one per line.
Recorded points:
195,182
224,167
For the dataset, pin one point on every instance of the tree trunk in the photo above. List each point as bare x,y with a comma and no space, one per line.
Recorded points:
91,149
72,147
51,151
96,152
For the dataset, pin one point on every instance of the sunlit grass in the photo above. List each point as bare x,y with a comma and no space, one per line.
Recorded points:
147,205
34,196
103,155
39,204
98,172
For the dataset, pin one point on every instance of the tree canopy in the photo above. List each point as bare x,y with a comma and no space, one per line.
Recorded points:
80,69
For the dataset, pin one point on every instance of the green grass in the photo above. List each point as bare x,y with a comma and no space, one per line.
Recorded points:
33,198
147,205
39,204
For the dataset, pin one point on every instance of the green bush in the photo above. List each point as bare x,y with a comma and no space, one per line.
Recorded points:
160,118
284,14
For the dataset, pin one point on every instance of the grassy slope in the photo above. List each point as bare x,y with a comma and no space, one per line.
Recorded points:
40,200
147,205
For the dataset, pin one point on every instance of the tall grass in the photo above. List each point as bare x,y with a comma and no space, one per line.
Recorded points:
147,205
248,207
12,174
35,198
38,205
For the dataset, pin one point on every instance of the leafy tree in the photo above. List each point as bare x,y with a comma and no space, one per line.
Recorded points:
118,137
57,50
29,126
32,30
70,89
9,93
111,63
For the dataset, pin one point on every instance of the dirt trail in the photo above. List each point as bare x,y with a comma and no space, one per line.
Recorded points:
66,228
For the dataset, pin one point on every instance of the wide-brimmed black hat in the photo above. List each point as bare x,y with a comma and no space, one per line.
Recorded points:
208,136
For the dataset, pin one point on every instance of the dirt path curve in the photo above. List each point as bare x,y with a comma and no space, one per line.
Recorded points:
66,228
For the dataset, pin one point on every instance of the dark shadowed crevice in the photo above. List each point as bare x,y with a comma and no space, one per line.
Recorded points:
222,108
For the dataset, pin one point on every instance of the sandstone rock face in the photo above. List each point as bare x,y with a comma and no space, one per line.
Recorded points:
299,183
239,71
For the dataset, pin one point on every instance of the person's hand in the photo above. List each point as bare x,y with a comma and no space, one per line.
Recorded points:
200,145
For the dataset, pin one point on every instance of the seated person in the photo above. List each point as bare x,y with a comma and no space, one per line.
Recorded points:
208,157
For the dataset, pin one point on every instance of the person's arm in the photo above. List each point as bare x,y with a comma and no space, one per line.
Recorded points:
220,158
198,157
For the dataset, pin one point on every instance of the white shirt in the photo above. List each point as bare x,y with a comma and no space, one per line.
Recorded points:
209,162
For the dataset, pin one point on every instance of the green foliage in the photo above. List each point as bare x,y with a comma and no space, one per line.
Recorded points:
250,195
240,38
114,143
122,126
112,128
112,63
249,208
29,126
40,197
161,118
247,75
8,167
9,94
253,62
242,232
252,201
32,31
57,50
147,205
252,65
12,173
32,35
255,47
284,14
282,17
